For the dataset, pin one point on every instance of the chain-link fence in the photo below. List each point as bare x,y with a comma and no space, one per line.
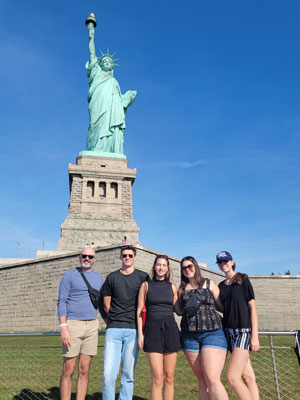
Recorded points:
30,369
276,366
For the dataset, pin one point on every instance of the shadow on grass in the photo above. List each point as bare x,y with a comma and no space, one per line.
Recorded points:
53,394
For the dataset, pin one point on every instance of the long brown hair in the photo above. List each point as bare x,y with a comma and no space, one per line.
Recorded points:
198,277
238,277
168,273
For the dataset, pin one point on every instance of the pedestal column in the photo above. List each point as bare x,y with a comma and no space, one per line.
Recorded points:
100,208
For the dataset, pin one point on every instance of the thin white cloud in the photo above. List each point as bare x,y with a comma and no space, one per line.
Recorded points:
179,164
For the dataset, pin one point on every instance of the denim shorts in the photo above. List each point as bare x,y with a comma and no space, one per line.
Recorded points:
195,341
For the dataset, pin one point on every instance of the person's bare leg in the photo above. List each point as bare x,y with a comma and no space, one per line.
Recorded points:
194,359
69,365
83,376
157,372
213,361
250,380
237,364
169,360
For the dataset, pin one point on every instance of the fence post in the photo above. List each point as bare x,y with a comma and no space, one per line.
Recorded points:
274,367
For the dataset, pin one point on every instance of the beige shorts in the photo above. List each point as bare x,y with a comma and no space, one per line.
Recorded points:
84,338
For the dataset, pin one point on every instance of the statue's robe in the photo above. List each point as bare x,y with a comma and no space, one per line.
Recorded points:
107,115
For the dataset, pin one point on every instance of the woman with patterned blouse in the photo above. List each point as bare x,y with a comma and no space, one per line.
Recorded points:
202,338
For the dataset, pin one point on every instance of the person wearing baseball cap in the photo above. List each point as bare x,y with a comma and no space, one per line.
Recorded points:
223,256
240,326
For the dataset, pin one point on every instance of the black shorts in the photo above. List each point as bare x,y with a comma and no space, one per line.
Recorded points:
161,336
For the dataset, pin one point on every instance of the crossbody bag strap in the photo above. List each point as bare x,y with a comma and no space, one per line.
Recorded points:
83,277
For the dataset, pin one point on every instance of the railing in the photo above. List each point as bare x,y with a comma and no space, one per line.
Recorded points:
30,369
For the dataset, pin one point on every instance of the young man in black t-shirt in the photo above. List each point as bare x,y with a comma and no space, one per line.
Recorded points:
120,292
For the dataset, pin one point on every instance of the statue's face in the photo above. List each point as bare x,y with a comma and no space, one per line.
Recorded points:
106,64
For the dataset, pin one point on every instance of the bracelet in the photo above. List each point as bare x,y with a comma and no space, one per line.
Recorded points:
64,324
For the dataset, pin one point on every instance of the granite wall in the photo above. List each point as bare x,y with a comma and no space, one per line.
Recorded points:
29,291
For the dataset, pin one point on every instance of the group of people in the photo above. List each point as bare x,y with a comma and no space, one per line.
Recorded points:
205,337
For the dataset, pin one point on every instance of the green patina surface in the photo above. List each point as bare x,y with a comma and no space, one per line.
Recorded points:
107,105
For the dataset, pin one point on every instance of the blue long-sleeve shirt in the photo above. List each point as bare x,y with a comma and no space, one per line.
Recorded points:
73,299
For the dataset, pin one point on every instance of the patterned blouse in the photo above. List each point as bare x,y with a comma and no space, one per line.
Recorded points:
206,317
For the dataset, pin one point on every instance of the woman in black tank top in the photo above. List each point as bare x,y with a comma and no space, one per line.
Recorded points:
160,338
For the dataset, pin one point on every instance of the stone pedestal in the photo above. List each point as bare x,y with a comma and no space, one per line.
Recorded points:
100,208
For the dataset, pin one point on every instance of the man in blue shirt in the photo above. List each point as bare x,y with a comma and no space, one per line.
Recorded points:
78,324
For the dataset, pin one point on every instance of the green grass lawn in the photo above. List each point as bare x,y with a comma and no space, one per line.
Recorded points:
31,367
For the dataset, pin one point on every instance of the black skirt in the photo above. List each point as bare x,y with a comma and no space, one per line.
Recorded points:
161,336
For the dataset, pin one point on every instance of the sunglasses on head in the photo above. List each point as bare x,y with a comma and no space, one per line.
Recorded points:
190,266
127,255
89,256
161,256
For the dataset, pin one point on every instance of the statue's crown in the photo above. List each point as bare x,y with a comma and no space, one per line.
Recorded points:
107,55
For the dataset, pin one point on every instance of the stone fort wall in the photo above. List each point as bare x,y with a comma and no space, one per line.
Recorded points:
29,290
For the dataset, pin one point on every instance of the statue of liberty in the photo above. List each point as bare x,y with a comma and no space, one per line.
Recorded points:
107,105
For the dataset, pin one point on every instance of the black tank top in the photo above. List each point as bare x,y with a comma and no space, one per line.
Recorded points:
159,301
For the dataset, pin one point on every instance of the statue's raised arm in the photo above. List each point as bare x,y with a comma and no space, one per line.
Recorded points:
107,105
91,25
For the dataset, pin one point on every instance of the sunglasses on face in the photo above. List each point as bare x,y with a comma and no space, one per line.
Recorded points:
190,266
223,262
127,255
89,256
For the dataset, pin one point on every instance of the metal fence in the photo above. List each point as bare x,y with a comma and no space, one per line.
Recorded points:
30,368
276,366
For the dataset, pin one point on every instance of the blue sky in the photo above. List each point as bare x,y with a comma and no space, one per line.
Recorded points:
213,133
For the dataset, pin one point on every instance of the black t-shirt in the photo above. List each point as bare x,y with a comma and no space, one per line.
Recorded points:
235,300
123,290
